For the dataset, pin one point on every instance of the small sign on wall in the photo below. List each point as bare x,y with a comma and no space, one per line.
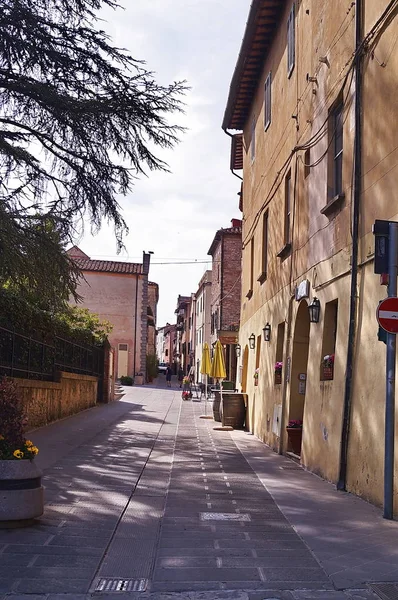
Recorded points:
276,421
302,290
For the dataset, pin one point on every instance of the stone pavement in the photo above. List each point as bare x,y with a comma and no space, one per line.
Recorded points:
144,497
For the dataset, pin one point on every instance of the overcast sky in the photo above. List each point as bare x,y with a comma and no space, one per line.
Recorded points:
176,215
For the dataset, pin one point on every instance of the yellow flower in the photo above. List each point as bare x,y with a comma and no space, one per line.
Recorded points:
28,443
18,454
33,449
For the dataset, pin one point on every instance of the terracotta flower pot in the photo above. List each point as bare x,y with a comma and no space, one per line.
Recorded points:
295,436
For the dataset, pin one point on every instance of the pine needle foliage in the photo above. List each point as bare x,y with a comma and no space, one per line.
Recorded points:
80,119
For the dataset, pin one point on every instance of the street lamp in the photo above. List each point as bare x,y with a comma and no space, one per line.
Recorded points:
314,310
267,332
237,350
252,341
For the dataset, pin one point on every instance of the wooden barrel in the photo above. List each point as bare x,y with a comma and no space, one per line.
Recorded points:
233,410
216,407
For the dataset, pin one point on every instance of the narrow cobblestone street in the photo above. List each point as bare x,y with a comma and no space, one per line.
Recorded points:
144,497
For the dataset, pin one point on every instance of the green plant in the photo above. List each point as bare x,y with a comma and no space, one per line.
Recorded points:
13,444
126,380
151,366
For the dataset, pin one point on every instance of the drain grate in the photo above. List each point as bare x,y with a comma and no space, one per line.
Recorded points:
385,591
121,585
208,516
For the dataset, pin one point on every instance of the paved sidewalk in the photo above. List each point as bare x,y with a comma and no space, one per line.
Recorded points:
144,495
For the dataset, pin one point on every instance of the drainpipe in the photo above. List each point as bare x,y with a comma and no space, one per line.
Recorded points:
342,481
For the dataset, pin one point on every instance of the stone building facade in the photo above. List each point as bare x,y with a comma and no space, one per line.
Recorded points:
202,320
312,107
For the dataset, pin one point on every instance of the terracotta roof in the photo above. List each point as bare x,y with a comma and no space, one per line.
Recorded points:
262,22
109,266
220,233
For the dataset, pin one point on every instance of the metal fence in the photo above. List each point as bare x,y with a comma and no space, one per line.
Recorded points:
23,356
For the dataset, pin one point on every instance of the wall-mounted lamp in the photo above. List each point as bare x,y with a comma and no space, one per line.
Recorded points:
314,310
252,341
237,350
267,332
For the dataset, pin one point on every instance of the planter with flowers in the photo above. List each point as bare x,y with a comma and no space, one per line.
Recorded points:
294,432
21,492
327,367
278,372
186,388
256,373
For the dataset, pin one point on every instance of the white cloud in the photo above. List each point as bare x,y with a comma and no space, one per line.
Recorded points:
177,214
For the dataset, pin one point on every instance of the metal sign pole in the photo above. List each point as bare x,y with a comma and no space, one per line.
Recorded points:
390,381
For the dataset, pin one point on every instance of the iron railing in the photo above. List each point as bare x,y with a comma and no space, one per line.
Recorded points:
26,357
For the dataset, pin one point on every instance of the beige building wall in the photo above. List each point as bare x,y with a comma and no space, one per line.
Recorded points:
321,241
113,297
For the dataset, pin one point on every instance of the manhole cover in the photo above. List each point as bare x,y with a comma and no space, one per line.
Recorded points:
207,516
385,591
121,585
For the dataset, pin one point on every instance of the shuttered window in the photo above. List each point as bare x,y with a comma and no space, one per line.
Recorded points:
291,42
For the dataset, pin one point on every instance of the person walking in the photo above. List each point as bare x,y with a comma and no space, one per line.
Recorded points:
168,375
180,375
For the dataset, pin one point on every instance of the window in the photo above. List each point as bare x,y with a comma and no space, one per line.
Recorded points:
307,162
335,156
288,209
250,292
263,275
166,352
253,140
291,42
278,368
329,340
267,102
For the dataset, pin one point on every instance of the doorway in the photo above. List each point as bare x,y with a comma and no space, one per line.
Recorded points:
298,378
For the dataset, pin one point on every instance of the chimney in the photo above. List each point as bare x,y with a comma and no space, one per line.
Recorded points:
146,260
236,222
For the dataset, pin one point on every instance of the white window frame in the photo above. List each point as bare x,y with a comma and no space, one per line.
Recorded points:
291,41
253,140
267,101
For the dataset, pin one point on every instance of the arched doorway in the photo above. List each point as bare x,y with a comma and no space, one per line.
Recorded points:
244,369
298,378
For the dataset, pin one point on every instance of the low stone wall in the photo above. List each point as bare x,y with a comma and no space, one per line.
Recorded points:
48,401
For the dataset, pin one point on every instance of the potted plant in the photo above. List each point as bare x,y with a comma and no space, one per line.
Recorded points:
327,366
294,431
256,373
278,372
21,492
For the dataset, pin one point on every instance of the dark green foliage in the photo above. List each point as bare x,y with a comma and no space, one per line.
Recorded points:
151,367
25,315
79,121
126,380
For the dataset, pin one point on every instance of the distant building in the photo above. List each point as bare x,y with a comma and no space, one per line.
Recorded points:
118,292
203,320
153,299
183,329
226,252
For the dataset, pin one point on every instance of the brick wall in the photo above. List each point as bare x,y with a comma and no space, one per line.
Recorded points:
231,280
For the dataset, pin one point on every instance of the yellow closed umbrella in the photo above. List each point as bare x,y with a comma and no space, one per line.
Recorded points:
217,370
205,368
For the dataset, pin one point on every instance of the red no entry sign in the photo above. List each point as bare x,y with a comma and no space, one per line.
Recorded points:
387,315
